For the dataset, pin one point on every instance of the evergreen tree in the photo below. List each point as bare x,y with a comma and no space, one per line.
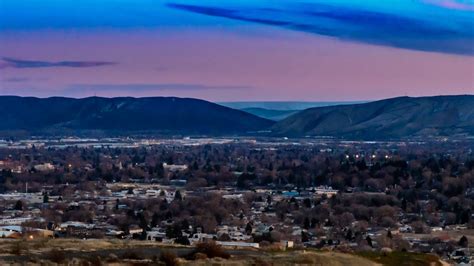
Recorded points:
369,241
248,229
177,195
45,197
19,205
463,242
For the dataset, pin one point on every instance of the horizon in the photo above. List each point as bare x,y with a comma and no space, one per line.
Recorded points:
319,50
238,101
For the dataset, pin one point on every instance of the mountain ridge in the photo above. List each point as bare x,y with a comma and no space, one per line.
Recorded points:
389,118
393,118
163,114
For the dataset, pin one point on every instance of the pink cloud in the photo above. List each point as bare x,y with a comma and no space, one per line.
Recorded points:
296,67
452,4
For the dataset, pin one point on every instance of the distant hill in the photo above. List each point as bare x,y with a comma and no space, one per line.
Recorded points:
275,115
283,106
277,111
390,118
124,114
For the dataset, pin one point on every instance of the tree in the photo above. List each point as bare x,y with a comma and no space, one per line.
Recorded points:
304,237
182,240
177,195
306,223
224,237
404,204
349,235
369,241
174,231
168,258
155,219
19,205
307,203
269,199
159,170
463,242
248,229
45,197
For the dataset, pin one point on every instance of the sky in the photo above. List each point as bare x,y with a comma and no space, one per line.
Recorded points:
237,50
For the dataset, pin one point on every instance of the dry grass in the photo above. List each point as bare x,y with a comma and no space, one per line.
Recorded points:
48,249
397,258
42,245
288,258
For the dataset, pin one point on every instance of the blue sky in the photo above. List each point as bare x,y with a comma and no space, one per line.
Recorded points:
446,25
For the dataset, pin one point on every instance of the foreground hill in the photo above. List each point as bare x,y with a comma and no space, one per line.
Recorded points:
118,252
391,118
158,114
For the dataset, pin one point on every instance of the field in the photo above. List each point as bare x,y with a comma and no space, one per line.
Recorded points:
115,252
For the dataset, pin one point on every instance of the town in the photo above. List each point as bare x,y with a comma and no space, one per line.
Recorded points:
407,196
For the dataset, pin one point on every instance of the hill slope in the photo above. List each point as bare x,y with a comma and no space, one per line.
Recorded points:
275,115
390,118
161,114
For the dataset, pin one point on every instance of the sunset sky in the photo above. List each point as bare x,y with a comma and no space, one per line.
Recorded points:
237,50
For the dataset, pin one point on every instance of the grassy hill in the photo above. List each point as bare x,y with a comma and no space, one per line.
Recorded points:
124,252
391,118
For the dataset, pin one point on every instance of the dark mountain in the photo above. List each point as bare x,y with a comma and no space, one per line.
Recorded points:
275,115
157,114
391,118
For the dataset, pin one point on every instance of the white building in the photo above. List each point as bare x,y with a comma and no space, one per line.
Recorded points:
175,167
238,244
44,167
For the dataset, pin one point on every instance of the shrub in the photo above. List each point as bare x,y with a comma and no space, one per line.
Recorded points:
95,261
19,247
212,250
56,256
131,255
169,258
200,256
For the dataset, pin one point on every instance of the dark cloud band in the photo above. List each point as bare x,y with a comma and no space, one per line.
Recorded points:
17,63
352,24
148,87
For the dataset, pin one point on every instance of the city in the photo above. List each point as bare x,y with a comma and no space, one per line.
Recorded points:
351,196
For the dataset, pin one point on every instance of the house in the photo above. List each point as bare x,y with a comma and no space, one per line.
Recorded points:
134,229
34,233
285,244
436,229
11,231
234,196
75,229
44,167
156,234
238,244
28,197
14,221
323,190
235,233
153,193
201,237
405,229
174,167
178,182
